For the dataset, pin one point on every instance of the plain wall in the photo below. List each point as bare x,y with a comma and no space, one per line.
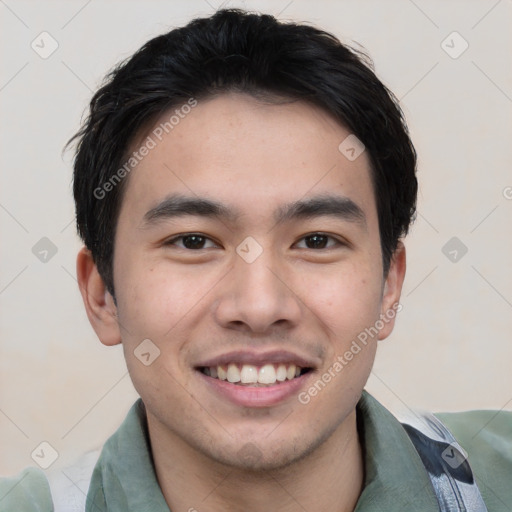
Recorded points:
451,349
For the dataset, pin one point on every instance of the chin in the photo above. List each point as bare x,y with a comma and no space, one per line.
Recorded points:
263,456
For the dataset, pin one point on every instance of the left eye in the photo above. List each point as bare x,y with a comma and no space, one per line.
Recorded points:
191,241
319,241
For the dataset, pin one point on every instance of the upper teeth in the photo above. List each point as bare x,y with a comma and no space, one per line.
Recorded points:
251,374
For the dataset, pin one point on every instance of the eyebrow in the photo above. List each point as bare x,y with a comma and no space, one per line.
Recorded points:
178,205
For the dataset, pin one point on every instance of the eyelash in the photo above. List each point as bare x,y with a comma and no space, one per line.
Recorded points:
319,233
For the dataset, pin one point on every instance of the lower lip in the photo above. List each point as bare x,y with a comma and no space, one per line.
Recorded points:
248,396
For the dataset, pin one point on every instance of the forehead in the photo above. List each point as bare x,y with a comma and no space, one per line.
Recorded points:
250,155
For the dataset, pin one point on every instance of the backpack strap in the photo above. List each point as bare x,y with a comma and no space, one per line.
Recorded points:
69,485
446,464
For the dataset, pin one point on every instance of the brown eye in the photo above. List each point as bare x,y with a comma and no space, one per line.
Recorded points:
319,241
192,241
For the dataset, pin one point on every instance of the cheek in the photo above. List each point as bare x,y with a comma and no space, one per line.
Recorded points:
152,305
151,301
346,303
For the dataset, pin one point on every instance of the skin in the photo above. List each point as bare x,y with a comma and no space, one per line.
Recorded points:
196,304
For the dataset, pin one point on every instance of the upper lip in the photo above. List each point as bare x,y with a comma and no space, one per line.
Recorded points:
258,359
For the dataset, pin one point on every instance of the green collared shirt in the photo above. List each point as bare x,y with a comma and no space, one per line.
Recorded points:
395,478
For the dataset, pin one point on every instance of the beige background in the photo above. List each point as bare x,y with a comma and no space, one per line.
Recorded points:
452,348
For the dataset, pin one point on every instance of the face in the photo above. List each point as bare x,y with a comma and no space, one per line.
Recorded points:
248,251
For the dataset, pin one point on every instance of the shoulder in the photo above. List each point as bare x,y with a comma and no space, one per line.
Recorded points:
486,436
29,491
61,489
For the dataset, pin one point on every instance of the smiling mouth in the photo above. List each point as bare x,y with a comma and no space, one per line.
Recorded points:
254,376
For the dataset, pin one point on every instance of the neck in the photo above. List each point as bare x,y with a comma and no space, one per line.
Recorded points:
328,479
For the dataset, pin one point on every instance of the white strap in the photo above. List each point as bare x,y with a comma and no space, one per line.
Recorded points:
69,485
446,463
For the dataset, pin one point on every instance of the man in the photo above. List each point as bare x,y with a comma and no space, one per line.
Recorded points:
242,188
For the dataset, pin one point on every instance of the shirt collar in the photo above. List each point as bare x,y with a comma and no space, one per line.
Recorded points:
124,478
395,479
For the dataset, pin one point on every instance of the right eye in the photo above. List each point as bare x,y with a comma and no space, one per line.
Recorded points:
192,241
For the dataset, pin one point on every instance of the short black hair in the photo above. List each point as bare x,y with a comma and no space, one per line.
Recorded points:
238,51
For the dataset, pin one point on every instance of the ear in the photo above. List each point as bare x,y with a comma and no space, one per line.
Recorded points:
390,305
99,303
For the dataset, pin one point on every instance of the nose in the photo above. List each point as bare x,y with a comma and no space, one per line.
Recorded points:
258,297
